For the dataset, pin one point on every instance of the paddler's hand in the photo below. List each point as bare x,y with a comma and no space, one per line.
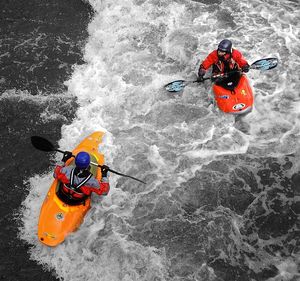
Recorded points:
67,156
200,79
246,68
201,74
104,171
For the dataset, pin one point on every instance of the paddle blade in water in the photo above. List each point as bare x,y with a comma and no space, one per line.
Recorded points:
175,86
265,64
42,144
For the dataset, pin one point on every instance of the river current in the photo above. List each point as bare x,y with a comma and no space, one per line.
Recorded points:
221,201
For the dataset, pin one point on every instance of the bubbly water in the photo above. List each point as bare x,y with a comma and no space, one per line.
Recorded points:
219,203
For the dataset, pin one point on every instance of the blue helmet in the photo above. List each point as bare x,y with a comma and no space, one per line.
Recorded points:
225,46
82,160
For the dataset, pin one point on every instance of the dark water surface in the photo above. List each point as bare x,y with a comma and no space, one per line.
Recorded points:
40,42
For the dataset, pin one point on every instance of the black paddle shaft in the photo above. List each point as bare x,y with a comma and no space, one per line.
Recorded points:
43,144
262,64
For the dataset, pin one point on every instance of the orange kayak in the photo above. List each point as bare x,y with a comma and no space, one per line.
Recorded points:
234,94
59,216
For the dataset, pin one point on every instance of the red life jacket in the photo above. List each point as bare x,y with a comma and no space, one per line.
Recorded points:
230,62
74,190
225,65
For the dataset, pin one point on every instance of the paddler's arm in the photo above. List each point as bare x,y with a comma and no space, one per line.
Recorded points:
60,175
240,60
104,183
100,187
57,172
211,59
102,190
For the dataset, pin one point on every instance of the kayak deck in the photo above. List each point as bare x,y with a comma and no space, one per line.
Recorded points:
234,95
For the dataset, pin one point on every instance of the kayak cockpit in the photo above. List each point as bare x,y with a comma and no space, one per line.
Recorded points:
67,198
230,82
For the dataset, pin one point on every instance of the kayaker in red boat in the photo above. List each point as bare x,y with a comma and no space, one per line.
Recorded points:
223,60
78,182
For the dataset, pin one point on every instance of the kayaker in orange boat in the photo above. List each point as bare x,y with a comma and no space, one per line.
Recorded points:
78,182
223,60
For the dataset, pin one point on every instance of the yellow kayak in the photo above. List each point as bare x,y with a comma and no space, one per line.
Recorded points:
58,216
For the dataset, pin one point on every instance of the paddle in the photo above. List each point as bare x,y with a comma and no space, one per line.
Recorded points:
262,64
43,144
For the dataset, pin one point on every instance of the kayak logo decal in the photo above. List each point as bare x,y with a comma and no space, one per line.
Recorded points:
239,106
50,235
244,93
59,216
225,97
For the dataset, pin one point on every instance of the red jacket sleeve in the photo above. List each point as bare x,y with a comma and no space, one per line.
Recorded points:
87,190
59,175
103,190
211,59
238,58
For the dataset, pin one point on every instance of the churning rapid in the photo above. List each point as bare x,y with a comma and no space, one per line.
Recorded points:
220,203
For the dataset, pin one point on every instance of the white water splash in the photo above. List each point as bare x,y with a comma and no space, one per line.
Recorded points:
134,48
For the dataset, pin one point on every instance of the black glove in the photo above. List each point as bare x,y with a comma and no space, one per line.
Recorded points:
200,79
104,170
201,74
246,68
67,156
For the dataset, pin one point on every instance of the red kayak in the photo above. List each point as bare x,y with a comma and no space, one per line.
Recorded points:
233,94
